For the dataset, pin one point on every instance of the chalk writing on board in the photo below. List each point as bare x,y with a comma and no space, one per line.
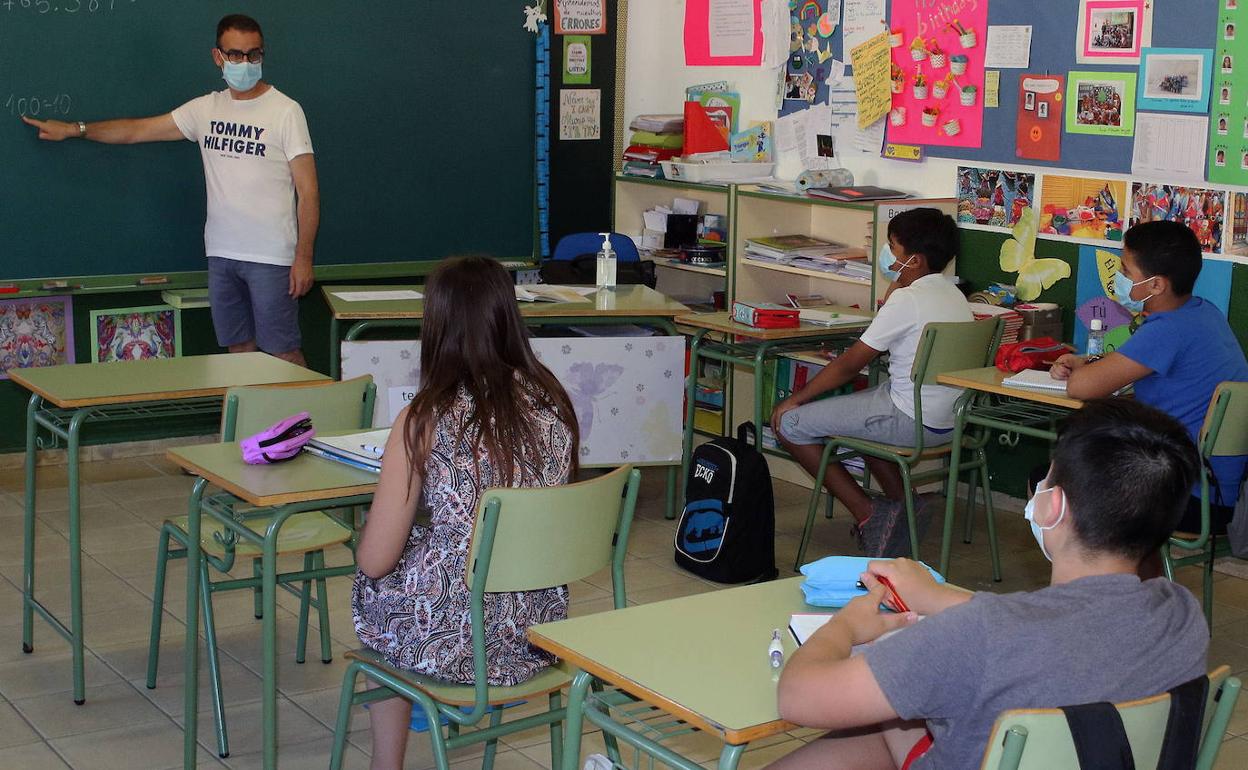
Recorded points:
35,105
68,7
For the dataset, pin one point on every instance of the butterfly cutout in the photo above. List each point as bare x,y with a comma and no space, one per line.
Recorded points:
1018,255
586,383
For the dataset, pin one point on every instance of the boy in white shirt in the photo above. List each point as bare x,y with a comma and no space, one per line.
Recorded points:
921,242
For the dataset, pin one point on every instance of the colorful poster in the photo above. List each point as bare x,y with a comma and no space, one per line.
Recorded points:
1038,135
38,331
1101,103
135,333
1204,211
1175,79
937,72
993,198
1113,31
870,61
576,60
811,66
1228,121
1078,207
722,33
580,17
1239,225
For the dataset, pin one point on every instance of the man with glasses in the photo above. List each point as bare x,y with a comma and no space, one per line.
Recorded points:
263,199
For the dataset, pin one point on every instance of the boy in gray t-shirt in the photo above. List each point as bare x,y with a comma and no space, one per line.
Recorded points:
1119,481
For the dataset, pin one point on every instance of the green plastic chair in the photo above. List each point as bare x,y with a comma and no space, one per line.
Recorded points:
944,347
1224,433
335,406
545,537
1038,739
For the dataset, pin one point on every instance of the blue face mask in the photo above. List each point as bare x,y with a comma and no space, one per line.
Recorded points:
1122,293
242,76
888,263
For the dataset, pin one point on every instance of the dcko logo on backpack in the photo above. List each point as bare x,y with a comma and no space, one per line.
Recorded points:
704,471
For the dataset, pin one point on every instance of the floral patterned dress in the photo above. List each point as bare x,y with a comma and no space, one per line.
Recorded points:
417,616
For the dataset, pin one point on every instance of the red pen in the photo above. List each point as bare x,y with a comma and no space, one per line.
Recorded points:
898,604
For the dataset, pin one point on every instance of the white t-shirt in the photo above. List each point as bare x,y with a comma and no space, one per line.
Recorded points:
247,146
897,328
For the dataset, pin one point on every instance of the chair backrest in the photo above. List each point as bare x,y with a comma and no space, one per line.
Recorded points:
1225,431
526,539
950,346
574,245
1039,739
334,406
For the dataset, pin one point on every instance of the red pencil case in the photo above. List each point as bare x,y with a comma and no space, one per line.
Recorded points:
765,315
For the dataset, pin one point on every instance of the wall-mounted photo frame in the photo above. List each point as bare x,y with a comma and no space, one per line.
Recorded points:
1178,80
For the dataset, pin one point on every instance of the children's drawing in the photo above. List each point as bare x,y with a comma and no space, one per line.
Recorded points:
135,334
1018,255
35,332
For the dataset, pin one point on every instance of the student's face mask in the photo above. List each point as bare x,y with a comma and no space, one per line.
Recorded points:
242,76
888,263
1037,531
1122,292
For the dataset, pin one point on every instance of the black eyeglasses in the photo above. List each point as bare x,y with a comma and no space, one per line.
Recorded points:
235,56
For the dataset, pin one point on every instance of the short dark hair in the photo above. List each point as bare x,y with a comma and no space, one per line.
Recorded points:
1127,470
929,232
239,22
1169,249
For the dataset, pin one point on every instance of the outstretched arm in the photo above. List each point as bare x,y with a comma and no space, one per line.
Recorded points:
159,128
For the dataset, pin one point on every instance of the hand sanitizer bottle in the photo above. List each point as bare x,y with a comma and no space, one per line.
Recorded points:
1096,337
606,263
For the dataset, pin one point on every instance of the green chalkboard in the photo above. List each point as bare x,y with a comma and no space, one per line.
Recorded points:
421,115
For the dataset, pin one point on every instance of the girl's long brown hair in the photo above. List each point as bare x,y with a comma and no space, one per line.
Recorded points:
473,336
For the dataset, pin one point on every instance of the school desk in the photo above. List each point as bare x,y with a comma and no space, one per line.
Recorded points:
988,403
621,305
750,347
249,492
722,682
126,391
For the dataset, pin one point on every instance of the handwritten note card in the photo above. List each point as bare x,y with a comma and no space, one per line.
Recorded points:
580,114
730,25
870,61
863,19
1009,46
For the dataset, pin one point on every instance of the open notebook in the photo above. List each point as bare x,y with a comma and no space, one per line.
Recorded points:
804,624
1034,379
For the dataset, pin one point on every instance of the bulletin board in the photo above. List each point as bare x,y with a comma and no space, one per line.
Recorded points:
1175,25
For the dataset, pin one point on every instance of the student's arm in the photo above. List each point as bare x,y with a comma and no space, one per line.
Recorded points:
390,517
1097,379
838,372
916,586
822,686
160,128
308,211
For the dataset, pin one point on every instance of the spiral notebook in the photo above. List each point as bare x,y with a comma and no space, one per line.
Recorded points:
1035,379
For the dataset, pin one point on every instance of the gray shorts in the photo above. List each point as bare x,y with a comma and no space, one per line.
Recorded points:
867,414
251,301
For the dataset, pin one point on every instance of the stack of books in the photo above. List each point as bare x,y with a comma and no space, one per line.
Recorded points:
1013,319
359,450
654,138
786,248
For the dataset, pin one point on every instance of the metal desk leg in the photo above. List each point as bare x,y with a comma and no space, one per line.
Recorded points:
729,756
268,579
335,348
577,693
955,461
75,554
691,393
190,650
28,527
670,512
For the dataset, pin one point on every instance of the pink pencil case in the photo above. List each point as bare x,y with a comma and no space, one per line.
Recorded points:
280,441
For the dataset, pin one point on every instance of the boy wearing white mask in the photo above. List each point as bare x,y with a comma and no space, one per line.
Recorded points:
1118,482
921,242
263,196
1176,358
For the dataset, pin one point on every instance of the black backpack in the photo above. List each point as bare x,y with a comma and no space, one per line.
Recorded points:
727,532
584,270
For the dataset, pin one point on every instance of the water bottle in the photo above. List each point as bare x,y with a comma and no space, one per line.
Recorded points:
606,263
1096,338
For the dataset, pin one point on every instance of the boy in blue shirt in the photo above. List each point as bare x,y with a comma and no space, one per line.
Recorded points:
1178,356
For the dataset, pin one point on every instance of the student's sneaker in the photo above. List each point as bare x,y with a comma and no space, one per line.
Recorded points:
898,541
875,532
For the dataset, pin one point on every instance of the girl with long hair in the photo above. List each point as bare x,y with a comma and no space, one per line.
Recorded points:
488,414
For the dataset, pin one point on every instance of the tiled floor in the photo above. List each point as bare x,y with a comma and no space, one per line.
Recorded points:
125,725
